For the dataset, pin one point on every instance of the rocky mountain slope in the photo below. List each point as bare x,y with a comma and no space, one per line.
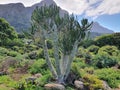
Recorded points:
19,16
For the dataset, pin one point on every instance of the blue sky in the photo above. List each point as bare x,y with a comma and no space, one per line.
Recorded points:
105,12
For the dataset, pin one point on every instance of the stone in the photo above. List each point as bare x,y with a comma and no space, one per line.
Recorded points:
38,75
54,86
30,80
79,85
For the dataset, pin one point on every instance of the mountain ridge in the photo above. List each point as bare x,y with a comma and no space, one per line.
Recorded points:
19,16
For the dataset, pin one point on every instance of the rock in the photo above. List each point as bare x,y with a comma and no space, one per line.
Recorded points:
30,80
79,85
38,75
33,78
3,73
106,86
54,86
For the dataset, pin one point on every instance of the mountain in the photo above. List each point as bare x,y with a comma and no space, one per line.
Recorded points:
100,29
19,16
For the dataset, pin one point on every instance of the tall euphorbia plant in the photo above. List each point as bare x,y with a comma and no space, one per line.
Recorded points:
66,34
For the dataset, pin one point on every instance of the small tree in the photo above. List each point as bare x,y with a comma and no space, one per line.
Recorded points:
65,33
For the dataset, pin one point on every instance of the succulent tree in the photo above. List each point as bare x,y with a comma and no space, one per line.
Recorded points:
66,34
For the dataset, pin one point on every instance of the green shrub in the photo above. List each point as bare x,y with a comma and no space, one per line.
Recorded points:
33,55
111,76
94,49
79,62
14,42
31,47
3,51
40,53
85,55
102,61
8,81
44,79
87,43
112,39
15,48
12,53
109,50
39,66
92,82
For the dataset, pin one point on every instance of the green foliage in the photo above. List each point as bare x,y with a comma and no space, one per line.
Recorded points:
94,49
33,55
92,82
109,50
44,79
8,81
85,55
7,32
112,76
112,39
3,51
102,61
14,42
87,43
12,53
39,66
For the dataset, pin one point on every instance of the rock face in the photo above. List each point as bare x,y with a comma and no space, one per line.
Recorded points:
54,86
19,16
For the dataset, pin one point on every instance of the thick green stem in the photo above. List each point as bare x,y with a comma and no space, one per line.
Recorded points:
50,65
56,54
72,55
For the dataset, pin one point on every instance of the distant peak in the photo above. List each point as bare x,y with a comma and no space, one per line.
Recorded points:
45,2
15,4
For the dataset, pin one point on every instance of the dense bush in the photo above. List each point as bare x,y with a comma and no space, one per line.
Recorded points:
102,61
14,42
111,76
109,50
112,39
7,32
94,49
12,53
39,66
92,82
87,43
3,51
44,79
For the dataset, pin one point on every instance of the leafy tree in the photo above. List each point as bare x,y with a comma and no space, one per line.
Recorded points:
7,32
65,33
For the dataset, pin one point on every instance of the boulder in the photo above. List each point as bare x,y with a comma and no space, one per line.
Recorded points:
79,85
54,86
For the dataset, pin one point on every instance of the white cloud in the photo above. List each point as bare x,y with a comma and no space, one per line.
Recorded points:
73,6
92,8
106,7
